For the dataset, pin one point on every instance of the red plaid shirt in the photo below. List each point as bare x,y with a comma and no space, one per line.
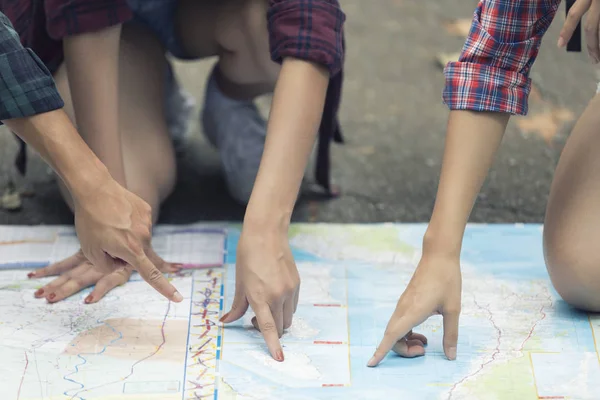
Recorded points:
492,73
42,24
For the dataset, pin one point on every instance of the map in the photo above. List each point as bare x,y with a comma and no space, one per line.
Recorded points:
518,339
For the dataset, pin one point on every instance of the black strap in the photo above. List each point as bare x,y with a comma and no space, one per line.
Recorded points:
21,160
575,42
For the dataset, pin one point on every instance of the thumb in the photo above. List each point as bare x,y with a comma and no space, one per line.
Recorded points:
238,308
451,333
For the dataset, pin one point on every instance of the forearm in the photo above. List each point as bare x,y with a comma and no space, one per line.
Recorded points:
92,61
55,138
471,142
295,116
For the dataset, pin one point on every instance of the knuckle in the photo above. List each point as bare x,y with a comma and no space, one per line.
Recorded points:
146,209
154,275
77,281
268,327
144,232
122,274
290,287
277,294
79,256
135,246
572,14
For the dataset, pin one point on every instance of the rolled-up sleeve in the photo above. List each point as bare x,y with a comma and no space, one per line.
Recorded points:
311,30
492,73
73,17
26,85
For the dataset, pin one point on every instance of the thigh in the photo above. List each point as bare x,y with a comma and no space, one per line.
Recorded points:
572,224
149,157
148,153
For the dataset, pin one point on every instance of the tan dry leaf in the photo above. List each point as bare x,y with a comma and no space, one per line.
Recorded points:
365,150
459,27
545,124
11,200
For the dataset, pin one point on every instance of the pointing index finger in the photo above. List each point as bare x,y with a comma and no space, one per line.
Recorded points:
396,330
156,279
268,328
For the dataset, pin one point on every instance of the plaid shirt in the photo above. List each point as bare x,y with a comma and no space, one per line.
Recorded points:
26,86
312,30
42,24
492,73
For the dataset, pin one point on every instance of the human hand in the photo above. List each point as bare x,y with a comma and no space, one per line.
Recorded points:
591,26
114,228
435,288
77,273
268,281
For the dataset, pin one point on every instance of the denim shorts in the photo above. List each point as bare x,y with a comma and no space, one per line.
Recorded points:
159,17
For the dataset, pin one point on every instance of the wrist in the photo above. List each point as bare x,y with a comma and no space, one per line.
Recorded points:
82,179
266,220
443,240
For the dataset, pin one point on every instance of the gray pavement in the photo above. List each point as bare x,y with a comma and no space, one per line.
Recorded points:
394,124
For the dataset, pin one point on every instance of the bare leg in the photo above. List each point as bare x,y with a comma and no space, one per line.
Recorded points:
572,226
147,149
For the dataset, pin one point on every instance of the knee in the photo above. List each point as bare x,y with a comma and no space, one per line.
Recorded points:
573,265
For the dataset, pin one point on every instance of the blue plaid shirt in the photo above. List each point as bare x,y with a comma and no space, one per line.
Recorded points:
26,85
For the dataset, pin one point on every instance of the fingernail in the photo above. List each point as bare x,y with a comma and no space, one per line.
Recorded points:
177,297
178,266
88,299
561,42
39,292
452,353
51,296
31,275
279,355
372,362
224,317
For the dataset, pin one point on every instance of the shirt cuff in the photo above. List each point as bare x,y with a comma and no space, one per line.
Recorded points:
27,90
74,17
477,87
310,30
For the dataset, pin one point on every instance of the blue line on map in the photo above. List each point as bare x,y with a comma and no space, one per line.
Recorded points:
84,361
221,303
222,291
187,344
24,265
219,341
216,396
